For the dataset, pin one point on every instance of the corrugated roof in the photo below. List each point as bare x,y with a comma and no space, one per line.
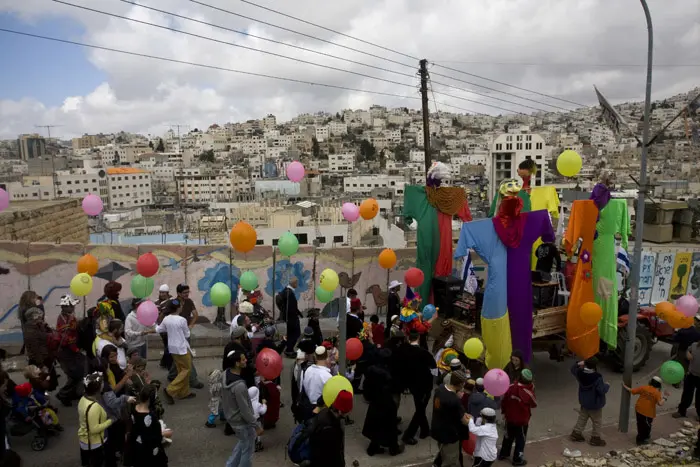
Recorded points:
124,170
305,204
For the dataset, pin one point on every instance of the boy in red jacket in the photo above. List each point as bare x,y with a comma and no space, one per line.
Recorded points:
517,405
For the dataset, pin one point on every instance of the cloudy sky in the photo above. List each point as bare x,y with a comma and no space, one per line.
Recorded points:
556,47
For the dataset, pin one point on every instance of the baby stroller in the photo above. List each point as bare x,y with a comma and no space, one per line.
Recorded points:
29,416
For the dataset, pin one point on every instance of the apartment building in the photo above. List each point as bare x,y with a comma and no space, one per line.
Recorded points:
509,150
206,187
129,187
366,183
337,128
89,141
341,163
31,146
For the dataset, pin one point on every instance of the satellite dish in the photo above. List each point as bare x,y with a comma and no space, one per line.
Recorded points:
101,173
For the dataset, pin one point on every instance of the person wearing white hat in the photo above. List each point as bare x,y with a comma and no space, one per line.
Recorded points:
313,380
649,397
70,358
486,432
393,305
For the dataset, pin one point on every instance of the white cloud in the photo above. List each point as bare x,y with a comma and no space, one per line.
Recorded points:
147,95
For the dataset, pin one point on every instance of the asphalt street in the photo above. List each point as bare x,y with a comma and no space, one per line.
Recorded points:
194,444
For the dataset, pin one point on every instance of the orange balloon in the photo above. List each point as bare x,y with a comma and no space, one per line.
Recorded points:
677,320
387,258
663,308
369,208
243,237
591,313
88,264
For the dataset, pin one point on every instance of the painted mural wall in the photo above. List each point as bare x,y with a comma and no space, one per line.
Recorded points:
48,268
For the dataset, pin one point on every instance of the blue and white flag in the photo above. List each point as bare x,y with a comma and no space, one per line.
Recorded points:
469,282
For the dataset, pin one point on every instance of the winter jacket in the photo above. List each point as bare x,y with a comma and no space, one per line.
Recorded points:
478,401
591,388
235,401
517,404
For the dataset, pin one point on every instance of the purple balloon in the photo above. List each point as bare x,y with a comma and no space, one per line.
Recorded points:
496,382
350,212
92,205
688,305
147,313
295,171
4,200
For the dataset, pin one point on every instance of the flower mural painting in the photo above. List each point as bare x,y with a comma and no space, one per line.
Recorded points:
221,272
279,276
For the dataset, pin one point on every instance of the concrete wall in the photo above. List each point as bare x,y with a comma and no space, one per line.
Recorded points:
48,268
45,221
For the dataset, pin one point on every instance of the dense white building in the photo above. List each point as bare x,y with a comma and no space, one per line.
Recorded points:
341,163
509,150
366,183
129,187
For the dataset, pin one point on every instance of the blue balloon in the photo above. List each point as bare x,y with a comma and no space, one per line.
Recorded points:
428,311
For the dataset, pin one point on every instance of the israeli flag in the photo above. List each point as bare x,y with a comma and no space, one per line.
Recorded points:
469,282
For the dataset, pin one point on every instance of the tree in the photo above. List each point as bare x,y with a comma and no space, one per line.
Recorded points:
115,160
367,150
207,156
161,146
150,145
401,153
315,148
331,149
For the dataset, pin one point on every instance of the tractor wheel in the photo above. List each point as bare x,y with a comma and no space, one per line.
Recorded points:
642,348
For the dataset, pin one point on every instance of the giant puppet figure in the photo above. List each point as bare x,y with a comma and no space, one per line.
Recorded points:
433,207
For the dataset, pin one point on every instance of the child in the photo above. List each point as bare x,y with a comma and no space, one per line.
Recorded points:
517,405
146,438
28,401
139,379
591,396
214,397
486,434
649,397
270,392
377,331
259,410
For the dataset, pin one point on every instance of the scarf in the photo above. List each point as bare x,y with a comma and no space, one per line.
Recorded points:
509,223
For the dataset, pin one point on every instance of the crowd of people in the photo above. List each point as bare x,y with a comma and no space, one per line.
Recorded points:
121,411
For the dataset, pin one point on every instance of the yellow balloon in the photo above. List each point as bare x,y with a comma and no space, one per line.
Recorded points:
473,348
569,163
328,280
333,387
81,284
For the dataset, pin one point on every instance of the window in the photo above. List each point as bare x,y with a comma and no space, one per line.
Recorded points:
519,146
503,168
275,241
528,138
321,240
519,138
499,147
528,145
509,146
68,182
538,145
260,242
337,239
303,238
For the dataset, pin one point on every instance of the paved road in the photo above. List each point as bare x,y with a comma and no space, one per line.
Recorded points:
196,445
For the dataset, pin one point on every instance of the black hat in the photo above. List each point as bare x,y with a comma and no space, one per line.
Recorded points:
308,332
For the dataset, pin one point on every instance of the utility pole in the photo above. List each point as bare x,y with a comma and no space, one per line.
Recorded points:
53,163
177,185
623,423
423,71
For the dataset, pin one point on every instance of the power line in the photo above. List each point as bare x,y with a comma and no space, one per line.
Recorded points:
233,44
369,43
554,64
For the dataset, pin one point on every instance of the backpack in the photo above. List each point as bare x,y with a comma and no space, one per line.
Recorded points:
281,306
299,444
87,333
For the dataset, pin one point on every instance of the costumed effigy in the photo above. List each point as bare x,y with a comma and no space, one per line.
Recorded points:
582,339
543,197
526,170
432,207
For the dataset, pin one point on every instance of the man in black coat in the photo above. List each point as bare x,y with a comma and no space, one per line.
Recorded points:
419,372
393,306
291,310
327,440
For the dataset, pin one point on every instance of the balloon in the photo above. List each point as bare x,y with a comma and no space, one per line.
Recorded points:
468,445
333,386
688,305
663,308
81,284
387,258
672,372
269,364
428,311
295,171
353,348
88,264
324,296
473,348
141,287
414,277
677,320
92,205
288,244
369,208
243,237
220,294
147,312
329,280
496,382
591,313
249,281
569,163
4,199
147,265
350,212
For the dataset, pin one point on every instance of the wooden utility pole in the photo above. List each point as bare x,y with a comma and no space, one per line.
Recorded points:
426,112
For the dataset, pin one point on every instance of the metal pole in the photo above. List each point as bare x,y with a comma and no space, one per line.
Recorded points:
425,111
623,423
342,333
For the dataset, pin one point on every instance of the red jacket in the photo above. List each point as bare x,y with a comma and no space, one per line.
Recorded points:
423,327
518,402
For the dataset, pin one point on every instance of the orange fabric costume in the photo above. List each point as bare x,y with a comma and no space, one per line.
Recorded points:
582,339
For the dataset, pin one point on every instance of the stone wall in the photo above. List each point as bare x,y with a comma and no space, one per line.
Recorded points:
57,221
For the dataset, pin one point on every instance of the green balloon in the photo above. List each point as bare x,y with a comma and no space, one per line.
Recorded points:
141,287
672,372
220,294
323,295
249,281
288,244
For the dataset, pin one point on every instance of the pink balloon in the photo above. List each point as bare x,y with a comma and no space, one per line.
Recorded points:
92,205
688,305
295,171
496,382
4,200
147,313
350,212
